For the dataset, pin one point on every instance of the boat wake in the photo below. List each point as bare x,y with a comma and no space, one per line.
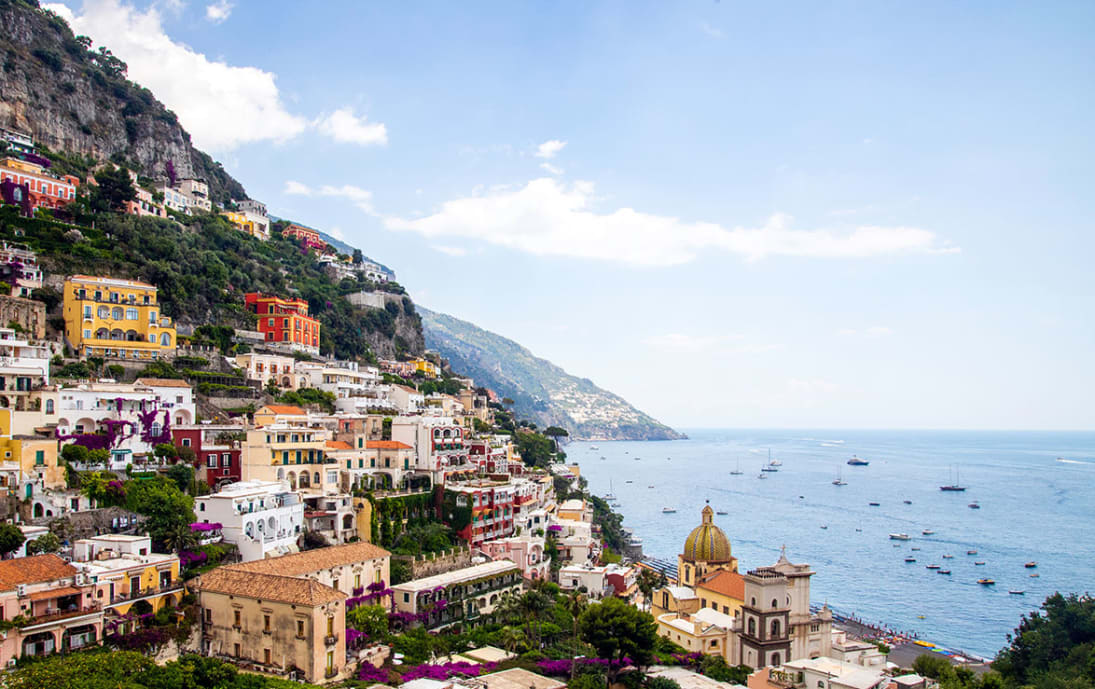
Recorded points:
1062,460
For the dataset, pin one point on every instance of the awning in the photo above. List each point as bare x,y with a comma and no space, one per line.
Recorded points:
55,593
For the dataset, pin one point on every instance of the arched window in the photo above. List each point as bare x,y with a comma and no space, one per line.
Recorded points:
752,627
315,478
775,659
156,428
775,628
775,603
104,312
753,602
165,340
116,313
49,406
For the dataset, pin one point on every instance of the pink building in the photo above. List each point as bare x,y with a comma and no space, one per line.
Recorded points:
54,605
527,552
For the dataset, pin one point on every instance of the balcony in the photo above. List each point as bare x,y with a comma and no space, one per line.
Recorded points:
51,617
330,640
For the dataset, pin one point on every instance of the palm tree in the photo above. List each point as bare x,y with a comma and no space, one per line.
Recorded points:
513,638
180,538
530,605
575,603
648,581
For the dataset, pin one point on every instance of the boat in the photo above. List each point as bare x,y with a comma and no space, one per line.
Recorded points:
762,474
933,566
900,537
907,502
857,462
955,487
1031,565
943,571
1035,575
924,644
948,557
975,505
874,504
651,485
839,480
668,510
927,532
629,482
971,552
594,447
979,563
769,468
920,617
721,512
910,559
602,458
1017,592
915,548
611,496
737,470
825,526
987,582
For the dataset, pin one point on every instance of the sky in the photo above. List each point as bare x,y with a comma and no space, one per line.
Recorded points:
798,215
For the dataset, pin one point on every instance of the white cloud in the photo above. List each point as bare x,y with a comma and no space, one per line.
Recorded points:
362,198
549,218
344,126
679,342
297,189
218,11
871,331
222,106
711,31
551,168
549,149
336,232
450,250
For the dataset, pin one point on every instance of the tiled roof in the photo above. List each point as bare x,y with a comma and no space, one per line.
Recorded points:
300,564
286,409
32,570
339,445
264,586
725,582
55,593
386,445
163,382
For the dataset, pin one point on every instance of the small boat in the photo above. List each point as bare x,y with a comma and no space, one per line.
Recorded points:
769,468
857,462
1031,565
910,559
775,462
651,485
948,557
737,470
927,532
971,552
762,475
721,512
987,582
825,526
943,571
668,510
629,482
900,537
975,505
931,567
915,548
594,447
920,617
979,563
874,504
1017,592
602,459
1035,575
839,480
907,502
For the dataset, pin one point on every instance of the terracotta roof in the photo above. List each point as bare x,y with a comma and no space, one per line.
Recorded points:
262,586
32,570
725,582
55,593
287,409
386,445
163,382
300,564
339,445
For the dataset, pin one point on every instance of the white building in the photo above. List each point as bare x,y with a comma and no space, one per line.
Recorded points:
196,193
255,212
262,518
173,198
27,261
264,367
24,367
406,399
135,417
344,379
829,673
578,577
438,442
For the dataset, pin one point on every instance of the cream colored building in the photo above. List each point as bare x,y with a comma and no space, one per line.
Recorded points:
349,568
273,623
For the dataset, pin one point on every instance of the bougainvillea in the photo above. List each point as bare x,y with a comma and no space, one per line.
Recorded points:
368,673
442,671
561,668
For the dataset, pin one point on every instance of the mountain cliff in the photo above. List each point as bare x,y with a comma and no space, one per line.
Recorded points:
541,391
79,102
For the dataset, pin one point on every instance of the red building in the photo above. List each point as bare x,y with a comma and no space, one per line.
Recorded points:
491,506
38,187
217,451
285,321
305,235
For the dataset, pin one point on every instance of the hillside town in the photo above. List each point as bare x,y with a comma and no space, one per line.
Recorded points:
250,498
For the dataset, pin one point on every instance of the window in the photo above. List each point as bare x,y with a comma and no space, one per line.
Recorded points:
104,312
211,461
131,314
226,459
186,442
87,311
208,614
330,626
266,624
165,340
49,406
300,629
40,458
152,317
236,620
152,338
87,334
237,649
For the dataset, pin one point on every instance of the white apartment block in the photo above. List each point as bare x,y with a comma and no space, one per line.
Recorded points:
263,518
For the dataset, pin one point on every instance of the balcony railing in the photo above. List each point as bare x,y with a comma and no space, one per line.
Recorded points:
62,615
330,640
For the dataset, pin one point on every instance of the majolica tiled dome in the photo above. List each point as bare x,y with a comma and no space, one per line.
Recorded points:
707,542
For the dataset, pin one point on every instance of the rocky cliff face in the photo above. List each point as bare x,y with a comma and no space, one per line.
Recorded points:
73,100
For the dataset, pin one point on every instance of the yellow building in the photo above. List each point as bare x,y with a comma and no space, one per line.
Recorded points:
241,222
706,550
426,368
127,576
27,458
116,318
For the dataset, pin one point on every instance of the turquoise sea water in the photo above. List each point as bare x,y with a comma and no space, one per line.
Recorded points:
1036,491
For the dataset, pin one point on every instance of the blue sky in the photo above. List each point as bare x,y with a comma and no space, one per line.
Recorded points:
814,215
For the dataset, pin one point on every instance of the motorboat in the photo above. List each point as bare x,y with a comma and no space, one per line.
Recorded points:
987,582
914,548
900,537
975,505
874,504
979,563
721,512
1035,575
629,482
907,502
825,526
910,559
971,552
931,566
769,468
943,571
651,485
594,447
668,510
1017,592
927,532
1031,565
948,557
762,475
857,462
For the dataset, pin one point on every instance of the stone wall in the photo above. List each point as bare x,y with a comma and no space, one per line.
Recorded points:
437,563
375,300
28,313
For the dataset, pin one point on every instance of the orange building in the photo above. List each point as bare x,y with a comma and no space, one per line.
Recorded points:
306,235
285,321
42,189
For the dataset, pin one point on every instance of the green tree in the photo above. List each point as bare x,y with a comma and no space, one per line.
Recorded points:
576,604
11,537
182,474
165,506
114,190
46,543
616,630
1052,647
74,453
555,432
662,683
371,619
179,538
165,451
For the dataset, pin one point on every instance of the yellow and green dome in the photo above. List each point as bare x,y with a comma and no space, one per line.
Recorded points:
707,542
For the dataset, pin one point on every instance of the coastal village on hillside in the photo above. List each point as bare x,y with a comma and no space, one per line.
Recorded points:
258,501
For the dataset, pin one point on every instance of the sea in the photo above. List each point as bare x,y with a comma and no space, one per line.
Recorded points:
1036,492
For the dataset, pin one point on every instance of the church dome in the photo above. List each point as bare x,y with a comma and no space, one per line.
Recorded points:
707,542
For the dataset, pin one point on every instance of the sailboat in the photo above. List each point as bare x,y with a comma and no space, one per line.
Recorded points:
611,494
839,481
737,471
955,487
771,465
